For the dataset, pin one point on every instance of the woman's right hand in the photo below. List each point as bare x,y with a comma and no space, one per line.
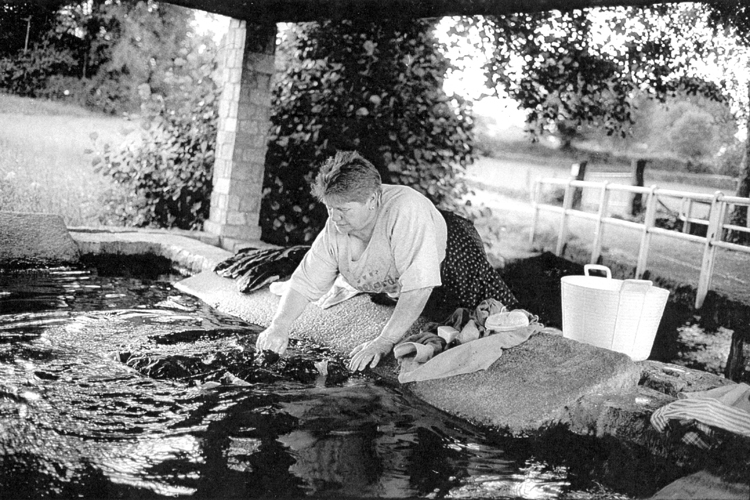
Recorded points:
274,338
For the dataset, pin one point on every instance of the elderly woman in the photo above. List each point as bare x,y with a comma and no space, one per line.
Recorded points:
391,239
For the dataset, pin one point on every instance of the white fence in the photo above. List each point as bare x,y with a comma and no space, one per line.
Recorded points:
716,208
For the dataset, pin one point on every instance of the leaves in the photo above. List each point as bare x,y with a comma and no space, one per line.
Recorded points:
167,169
573,69
373,87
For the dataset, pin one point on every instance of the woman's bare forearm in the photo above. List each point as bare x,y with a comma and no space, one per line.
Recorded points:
408,309
290,308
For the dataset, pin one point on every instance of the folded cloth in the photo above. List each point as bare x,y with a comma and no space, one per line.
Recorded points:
726,407
466,358
421,352
469,332
424,345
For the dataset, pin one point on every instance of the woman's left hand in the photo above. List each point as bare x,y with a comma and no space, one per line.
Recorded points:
369,353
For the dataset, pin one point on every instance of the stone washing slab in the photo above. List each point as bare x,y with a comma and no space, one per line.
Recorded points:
531,386
341,327
35,239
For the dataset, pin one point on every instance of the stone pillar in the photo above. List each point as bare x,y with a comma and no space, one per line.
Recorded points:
247,66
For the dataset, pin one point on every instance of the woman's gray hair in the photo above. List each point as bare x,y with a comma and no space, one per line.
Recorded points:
346,176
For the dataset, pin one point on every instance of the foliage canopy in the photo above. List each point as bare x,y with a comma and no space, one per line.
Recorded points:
373,87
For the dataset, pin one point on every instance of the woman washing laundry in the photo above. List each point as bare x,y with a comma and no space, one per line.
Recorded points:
386,239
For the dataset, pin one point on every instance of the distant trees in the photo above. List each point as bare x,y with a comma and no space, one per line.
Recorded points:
95,52
21,23
569,70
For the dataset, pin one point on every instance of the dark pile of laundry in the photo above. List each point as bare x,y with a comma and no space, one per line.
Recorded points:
255,268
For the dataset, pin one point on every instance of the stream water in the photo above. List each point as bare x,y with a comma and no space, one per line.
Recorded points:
121,387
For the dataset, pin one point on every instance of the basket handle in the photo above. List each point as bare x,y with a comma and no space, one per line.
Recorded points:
597,267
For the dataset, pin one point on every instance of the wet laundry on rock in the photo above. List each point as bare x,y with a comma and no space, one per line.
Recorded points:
465,358
463,343
255,268
421,347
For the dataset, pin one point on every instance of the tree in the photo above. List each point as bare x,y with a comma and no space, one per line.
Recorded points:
585,67
165,169
735,16
373,87
22,24
99,50
692,136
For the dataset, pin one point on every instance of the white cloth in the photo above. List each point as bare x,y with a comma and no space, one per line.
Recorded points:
473,356
404,253
339,292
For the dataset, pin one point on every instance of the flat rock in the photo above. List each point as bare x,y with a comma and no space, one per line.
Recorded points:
531,385
673,379
704,484
35,239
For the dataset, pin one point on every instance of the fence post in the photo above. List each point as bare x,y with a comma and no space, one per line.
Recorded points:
648,223
563,234
636,204
715,223
578,173
596,246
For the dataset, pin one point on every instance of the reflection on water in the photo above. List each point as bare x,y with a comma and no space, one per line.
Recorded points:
125,389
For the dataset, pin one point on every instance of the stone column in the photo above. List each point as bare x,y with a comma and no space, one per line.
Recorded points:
247,66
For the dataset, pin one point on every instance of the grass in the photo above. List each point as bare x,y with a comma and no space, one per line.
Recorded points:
43,164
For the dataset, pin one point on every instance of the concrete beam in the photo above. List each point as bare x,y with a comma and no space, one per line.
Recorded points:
261,11
311,10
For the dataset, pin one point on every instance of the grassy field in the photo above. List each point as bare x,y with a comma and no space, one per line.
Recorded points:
43,167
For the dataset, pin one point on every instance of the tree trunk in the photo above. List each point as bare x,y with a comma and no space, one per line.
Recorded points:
739,213
579,173
636,203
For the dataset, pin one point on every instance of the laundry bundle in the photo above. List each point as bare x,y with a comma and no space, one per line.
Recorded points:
255,268
467,341
696,415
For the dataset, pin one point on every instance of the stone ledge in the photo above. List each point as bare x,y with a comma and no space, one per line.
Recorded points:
189,253
35,239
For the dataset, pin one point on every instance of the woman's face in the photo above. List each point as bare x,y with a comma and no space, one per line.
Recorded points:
352,216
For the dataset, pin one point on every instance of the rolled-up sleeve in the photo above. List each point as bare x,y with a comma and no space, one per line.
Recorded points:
318,270
418,241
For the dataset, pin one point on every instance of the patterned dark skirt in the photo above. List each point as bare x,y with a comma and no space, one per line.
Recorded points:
468,277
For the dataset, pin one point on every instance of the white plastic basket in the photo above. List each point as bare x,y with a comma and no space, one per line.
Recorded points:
620,315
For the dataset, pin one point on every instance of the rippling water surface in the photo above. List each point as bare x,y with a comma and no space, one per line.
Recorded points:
124,388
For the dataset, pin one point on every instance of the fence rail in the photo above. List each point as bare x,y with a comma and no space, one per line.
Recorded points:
717,206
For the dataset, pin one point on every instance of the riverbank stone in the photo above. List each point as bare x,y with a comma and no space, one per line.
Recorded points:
706,485
34,240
